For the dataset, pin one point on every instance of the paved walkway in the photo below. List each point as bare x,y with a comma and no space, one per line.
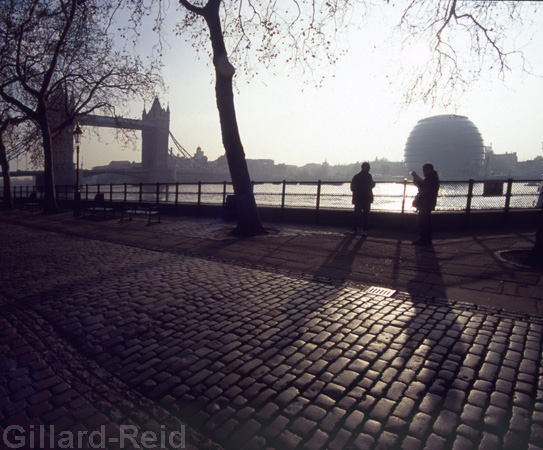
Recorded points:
121,334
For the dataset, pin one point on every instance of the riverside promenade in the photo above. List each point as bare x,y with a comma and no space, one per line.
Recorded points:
122,335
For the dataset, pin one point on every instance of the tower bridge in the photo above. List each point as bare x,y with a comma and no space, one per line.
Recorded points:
159,163
155,154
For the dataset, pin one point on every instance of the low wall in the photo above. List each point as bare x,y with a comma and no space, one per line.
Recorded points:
442,220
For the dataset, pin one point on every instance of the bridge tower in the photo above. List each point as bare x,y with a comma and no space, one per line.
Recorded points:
155,135
63,157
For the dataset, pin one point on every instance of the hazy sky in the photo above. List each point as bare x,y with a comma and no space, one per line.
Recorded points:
358,115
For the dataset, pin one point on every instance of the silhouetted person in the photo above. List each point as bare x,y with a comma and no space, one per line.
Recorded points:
361,187
425,202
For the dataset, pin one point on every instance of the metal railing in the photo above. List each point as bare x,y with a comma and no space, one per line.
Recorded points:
392,196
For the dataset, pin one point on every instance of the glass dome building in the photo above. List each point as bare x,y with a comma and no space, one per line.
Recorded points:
451,143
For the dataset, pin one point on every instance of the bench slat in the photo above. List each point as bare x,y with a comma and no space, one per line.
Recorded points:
142,210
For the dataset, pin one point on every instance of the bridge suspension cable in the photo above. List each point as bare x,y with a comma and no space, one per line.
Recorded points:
16,151
180,148
182,159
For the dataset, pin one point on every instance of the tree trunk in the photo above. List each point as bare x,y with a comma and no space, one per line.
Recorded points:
8,195
249,223
50,201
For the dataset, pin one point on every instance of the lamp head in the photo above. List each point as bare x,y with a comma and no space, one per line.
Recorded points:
77,133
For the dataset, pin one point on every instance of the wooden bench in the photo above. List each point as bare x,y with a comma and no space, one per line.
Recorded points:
32,201
141,210
99,207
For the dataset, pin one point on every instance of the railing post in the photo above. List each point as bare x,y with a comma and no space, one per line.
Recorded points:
508,197
283,196
404,194
110,192
86,192
157,193
468,199
125,194
253,189
319,185
141,193
199,195
470,195
176,193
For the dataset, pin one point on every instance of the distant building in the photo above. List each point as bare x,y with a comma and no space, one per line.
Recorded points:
261,169
508,165
200,157
532,169
500,164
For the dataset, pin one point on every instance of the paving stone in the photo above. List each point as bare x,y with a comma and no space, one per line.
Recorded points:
489,441
382,409
276,426
396,425
372,427
410,443
288,440
387,440
454,400
495,417
420,426
314,413
430,403
354,420
243,434
416,390
404,408
436,442
446,423
318,441
520,421
332,419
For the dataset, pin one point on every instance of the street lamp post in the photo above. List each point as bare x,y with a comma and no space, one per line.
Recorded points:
77,193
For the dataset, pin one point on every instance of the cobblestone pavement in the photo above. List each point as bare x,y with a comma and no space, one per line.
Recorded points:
97,334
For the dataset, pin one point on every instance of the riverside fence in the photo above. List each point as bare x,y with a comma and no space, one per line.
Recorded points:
390,196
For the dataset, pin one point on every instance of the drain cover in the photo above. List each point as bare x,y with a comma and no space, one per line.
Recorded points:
380,291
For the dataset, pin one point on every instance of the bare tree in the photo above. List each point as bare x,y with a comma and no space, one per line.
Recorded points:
249,222
7,122
463,41
302,33
18,136
58,61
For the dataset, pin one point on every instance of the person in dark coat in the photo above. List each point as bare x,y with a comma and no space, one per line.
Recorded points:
425,202
362,186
